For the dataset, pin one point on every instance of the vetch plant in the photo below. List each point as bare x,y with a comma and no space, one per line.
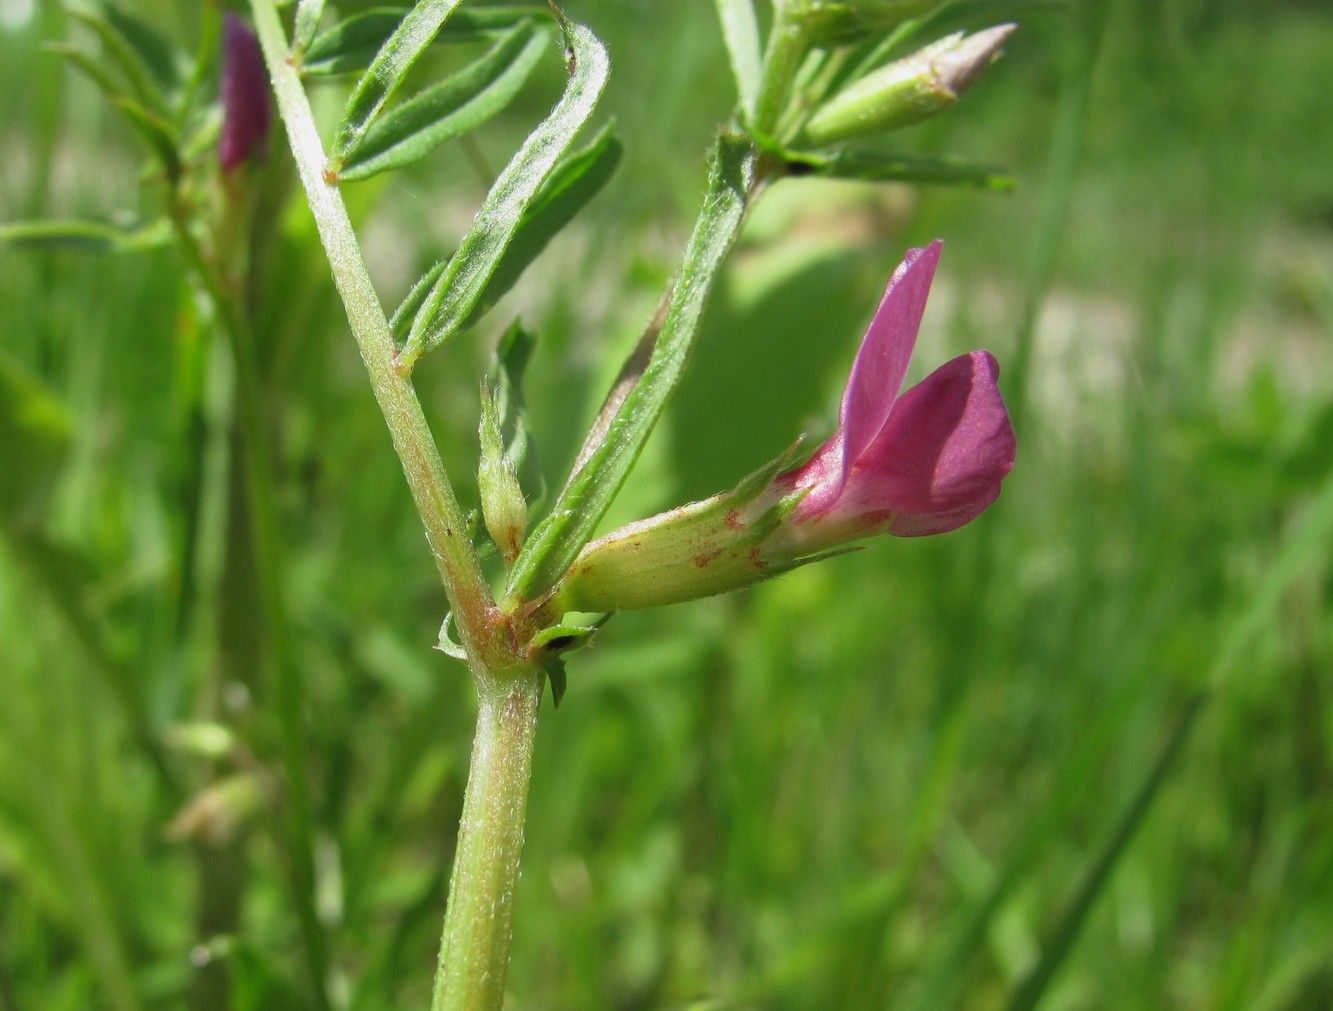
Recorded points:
830,75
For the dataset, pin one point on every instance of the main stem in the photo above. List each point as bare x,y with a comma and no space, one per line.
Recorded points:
446,530
478,923
474,951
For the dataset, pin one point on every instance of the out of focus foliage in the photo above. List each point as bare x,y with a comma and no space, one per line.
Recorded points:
924,776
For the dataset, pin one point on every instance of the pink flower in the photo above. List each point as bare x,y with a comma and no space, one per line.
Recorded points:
921,462
245,108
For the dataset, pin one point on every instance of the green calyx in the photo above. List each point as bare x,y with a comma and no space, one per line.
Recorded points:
694,551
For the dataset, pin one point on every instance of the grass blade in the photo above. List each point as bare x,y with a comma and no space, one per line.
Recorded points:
1033,987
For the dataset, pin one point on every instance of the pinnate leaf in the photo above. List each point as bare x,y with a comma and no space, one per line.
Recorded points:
308,14
154,51
156,133
349,46
386,72
575,181
740,32
461,285
126,54
875,167
86,236
557,540
401,323
511,363
448,109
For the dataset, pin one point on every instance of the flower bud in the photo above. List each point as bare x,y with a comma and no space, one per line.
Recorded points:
841,22
245,108
909,90
503,507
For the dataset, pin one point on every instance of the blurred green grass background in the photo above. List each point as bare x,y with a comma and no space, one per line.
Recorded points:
1075,755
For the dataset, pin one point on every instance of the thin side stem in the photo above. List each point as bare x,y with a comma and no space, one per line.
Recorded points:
446,530
478,924
288,684
786,49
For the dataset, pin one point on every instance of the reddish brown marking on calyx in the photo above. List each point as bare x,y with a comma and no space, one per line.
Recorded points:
703,559
734,518
755,560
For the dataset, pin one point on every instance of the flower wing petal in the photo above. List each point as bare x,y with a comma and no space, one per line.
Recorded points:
881,363
939,459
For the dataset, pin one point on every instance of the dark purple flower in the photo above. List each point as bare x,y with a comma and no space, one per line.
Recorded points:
245,102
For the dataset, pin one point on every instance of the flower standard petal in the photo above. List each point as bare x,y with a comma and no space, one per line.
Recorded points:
881,363
939,460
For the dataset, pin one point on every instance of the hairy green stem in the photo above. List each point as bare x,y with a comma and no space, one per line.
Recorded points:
475,948
446,530
474,951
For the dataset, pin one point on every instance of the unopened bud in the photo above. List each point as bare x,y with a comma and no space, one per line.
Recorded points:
841,22
909,90
502,504
245,108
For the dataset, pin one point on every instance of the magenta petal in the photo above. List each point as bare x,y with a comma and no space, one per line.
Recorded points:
820,477
881,363
939,460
